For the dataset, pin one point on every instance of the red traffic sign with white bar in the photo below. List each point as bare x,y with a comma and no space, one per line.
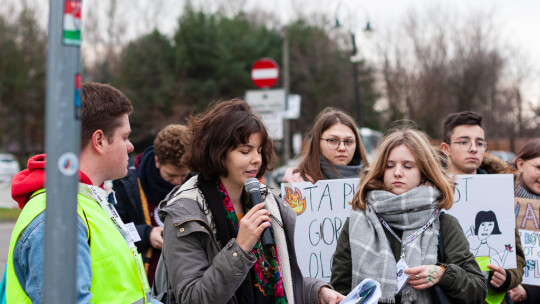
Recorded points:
265,73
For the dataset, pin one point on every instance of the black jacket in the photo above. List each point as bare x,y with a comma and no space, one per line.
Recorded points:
129,207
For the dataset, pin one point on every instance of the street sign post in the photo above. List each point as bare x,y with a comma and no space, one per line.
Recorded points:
267,100
270,104
265,73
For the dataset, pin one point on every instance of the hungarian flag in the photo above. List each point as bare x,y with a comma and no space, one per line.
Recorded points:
72,22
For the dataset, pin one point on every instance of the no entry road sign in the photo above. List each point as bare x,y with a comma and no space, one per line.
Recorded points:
265,73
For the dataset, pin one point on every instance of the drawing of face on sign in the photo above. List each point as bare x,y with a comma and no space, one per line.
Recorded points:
486,224
485,230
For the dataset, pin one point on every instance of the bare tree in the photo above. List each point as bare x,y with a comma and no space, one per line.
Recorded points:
443,63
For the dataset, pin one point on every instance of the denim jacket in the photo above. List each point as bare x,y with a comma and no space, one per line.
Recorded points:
28,257
28,263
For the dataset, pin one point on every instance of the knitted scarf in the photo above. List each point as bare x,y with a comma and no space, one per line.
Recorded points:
373,256
520,191
333,171
265,274
264,283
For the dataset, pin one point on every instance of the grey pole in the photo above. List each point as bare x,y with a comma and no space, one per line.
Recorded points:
357,100
62,146
286,86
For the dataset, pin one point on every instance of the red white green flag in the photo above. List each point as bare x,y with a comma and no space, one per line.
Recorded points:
72,22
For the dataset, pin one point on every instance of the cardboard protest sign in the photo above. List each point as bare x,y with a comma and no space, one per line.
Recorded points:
483,204
527,212
322,210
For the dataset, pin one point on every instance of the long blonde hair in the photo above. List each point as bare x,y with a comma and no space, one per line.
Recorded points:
426,158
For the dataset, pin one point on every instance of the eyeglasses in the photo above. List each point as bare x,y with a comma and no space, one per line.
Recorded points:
333,143
536,167
466,144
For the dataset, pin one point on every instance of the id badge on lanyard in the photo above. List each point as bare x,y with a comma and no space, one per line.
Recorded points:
111,212
401,265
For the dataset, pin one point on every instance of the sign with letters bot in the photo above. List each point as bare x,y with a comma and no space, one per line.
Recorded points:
483,204
322,210
527,212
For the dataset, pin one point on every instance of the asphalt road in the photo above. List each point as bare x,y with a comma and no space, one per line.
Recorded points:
5,235
5,227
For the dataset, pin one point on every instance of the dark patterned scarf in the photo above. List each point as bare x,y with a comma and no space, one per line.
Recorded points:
264,282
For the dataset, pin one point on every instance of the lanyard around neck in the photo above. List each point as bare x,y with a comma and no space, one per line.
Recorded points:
111,212
413,236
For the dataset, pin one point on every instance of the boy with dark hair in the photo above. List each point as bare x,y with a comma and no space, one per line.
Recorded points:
465,145
157,171
463,142
459,119
108,265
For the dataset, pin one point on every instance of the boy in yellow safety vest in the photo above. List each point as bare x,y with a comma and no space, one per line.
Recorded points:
109,268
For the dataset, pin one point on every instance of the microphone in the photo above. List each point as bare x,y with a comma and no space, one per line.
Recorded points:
253,187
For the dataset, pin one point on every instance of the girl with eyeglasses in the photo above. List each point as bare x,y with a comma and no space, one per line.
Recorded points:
527,186
334,150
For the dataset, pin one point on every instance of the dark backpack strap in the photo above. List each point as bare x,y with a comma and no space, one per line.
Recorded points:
438,295
441,254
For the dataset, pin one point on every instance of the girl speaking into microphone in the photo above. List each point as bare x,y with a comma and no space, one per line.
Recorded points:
212,251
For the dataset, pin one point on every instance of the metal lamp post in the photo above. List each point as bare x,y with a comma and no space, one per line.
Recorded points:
354,60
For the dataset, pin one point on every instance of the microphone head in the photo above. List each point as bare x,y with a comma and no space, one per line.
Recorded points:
252,184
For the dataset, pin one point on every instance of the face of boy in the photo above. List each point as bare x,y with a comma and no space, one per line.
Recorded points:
116,150
171,173
464,161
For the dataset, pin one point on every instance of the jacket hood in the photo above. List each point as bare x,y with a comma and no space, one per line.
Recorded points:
32,179
494,165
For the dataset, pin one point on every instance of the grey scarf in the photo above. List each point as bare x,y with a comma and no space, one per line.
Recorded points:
371,251
349,171
520,191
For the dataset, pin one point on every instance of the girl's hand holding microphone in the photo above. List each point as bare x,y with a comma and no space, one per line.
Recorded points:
251,226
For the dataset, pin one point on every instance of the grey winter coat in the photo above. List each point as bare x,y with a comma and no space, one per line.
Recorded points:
199,270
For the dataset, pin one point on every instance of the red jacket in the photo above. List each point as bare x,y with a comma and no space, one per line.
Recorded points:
32,179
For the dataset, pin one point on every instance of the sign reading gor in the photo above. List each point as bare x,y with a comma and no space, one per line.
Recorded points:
265,73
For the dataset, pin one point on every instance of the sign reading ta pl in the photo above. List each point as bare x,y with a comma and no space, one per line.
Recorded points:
321,210
265,73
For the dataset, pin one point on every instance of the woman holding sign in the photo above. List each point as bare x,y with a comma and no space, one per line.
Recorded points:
211,247
396,224
334,150
528,186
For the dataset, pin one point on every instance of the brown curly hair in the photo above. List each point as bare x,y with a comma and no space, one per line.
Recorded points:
223,126
168,146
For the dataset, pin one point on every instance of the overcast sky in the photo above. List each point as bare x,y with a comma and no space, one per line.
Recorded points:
517,22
